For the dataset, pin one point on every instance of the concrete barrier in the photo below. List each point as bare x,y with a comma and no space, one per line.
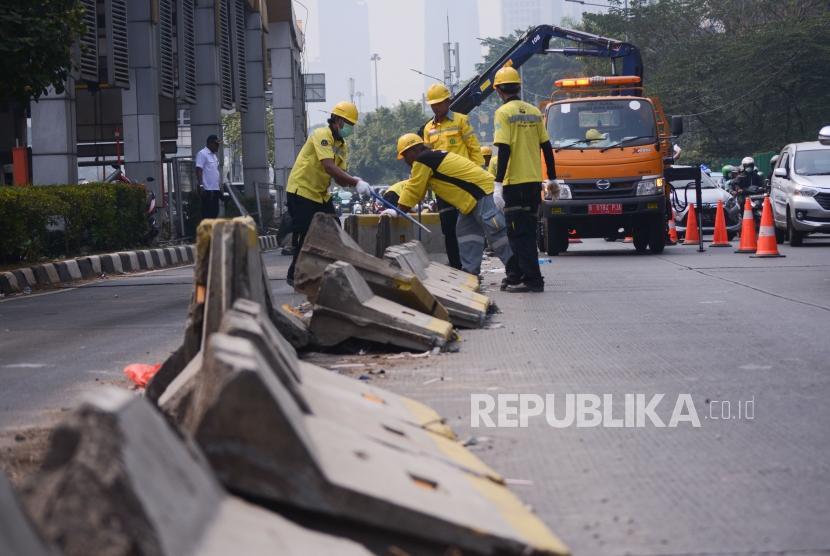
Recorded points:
118,480
262,443
18,536
326,243
374,233
438,271
346,308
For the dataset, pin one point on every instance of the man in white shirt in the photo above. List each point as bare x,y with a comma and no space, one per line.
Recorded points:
207,175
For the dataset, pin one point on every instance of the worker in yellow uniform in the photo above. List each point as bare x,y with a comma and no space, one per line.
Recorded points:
486,154
393,193
453,133
468,188
324,157
493,164
519,135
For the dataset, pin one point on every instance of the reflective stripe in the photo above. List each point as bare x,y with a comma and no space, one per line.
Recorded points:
514,209
525,118
499,242
468,134
766,231
447,209
471,238
436,131
748,215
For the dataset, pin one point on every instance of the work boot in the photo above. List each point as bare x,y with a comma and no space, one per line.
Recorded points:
533,286
509,281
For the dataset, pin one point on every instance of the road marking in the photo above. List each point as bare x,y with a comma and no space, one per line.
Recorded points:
26,366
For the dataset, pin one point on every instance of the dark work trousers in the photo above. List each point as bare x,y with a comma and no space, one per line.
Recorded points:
302,211
521,205
449,218
210,203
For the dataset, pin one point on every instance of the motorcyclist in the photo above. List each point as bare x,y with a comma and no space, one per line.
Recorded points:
748,176
729,172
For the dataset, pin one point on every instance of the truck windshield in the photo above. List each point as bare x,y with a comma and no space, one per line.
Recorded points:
597,124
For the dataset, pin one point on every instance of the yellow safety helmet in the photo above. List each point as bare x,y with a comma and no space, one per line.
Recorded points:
486,150
593,135
346,110
407,141
505,75
436,93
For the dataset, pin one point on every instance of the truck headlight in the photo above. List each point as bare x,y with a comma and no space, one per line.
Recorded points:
647,187
805,191
564,191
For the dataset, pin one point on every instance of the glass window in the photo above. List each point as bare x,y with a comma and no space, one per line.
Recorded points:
813,162
598,124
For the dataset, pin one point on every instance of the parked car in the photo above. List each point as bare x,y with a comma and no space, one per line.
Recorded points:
800,190
684,194
346,201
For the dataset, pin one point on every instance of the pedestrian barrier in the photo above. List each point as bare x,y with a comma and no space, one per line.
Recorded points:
467,309
749,241
327,243
767,245
692,236
374,233
345,307
719,237
121,481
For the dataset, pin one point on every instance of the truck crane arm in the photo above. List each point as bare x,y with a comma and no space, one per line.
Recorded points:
537,41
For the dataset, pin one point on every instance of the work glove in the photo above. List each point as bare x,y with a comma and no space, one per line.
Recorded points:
551,187
498,197
389,212
363,188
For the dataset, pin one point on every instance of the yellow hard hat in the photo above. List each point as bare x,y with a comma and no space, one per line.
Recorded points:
505,75
593,135
436,93
346,110
486,150
406,141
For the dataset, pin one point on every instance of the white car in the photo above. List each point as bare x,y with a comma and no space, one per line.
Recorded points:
800,192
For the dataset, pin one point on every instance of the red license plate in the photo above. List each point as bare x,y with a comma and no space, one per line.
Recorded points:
605,208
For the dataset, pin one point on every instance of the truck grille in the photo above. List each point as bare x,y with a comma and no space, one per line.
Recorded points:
589,190
824,200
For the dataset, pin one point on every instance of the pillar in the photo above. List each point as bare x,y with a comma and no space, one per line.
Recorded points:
54,138
284,86
206,114
254,135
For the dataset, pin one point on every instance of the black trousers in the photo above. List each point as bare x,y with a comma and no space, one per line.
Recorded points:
302,211
210,203
521,206
449,217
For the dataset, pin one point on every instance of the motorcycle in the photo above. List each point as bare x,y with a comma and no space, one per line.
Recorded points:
755,194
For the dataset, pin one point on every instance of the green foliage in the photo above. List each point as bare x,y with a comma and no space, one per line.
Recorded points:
65,220
751,76
372,148
232,132
35,46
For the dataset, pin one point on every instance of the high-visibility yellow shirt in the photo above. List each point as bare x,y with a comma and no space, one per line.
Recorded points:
454,134
494,165
393,193
519,125
308,178
453,178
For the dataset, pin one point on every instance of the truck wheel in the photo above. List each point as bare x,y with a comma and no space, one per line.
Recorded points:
657,236
556,239
796,237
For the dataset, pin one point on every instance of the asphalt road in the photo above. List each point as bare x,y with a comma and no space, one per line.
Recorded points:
715,326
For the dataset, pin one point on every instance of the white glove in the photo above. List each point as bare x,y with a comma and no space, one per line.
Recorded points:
363,188
498,198
389,212
551,187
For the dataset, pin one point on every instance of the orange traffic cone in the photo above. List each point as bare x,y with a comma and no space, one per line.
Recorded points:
692,232
573,238
672,230
749,243
720,238
767,246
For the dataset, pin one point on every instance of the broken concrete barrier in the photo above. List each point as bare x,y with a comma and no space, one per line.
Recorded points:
260,442
438,271
18,536
374,233
467,309
326,243
346,307
118,481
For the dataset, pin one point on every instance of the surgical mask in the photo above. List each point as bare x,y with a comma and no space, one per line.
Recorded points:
346,130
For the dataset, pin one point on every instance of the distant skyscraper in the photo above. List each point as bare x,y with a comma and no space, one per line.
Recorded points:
463,29
344,53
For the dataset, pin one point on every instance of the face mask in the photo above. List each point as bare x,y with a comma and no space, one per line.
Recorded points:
346,130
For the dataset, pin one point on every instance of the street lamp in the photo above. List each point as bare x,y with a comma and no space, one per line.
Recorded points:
375,58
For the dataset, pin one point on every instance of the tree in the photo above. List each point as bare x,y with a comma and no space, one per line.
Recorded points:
36,46
232,132
372,148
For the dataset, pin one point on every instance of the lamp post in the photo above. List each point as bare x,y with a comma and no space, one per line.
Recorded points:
375,58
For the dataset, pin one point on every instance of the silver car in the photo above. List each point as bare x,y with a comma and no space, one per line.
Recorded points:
800,193
684,194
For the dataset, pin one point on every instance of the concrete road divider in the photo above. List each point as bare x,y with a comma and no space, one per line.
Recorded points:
18,536
374,233
467,309
437,271
118,480
261,443
326,243
346,307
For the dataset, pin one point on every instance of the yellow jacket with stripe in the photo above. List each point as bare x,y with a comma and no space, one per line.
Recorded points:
308,178
520,126
454,134
393,194
453,178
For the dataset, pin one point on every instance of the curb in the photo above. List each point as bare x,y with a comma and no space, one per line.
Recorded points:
123,262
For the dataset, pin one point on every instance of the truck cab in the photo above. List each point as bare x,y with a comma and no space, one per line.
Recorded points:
610,153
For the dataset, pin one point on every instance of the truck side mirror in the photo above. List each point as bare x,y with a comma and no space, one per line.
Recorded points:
677,125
